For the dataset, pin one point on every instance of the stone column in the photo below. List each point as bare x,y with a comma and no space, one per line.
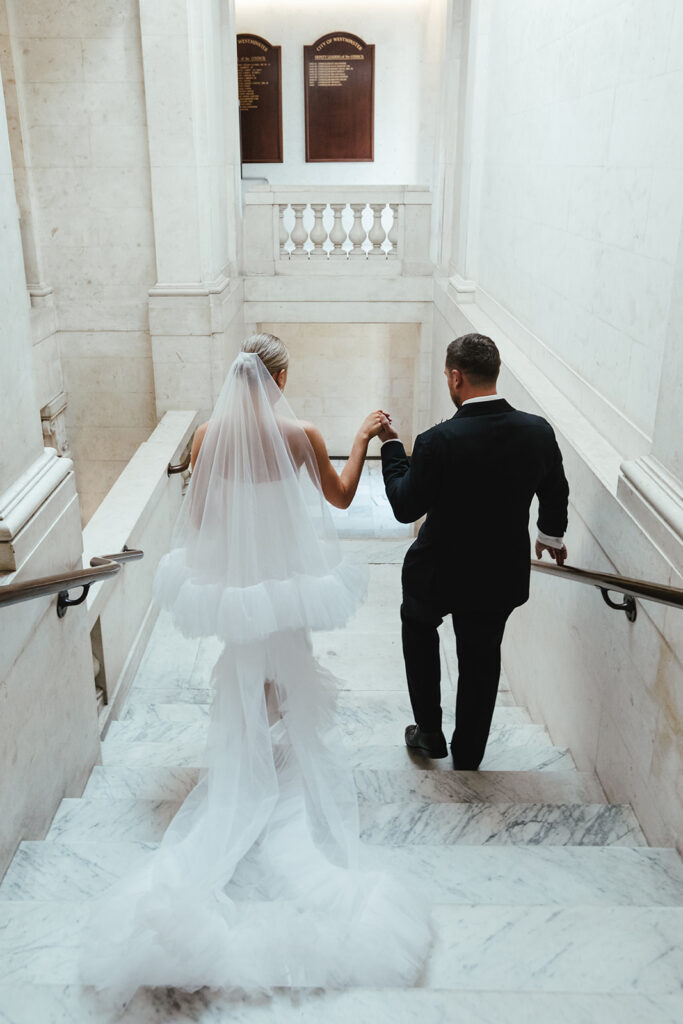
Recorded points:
23,184
463,184
190,69
651,487
448,134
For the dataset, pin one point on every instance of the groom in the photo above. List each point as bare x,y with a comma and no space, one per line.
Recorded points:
474,476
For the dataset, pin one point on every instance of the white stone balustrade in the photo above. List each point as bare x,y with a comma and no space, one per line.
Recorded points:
328,229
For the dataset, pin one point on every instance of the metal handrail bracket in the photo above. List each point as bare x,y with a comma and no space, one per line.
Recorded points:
626,585
180,467
102,567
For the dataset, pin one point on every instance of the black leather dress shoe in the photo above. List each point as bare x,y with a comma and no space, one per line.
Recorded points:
433,744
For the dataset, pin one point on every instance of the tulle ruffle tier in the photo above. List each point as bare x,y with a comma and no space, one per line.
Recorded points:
239,615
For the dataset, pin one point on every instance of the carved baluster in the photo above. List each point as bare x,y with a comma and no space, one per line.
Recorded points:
377,234
393,231
318,231
284,233
338,232
299,233
357,234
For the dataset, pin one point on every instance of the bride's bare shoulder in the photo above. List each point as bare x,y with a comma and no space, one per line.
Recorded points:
316,440
300,429
197,442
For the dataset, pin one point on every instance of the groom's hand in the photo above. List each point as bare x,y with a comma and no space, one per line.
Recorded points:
372,424
386,431
559,554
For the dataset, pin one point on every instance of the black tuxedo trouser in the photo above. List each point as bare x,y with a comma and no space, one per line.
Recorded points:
478,636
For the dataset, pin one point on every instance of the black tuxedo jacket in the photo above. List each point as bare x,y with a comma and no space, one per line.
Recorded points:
474,476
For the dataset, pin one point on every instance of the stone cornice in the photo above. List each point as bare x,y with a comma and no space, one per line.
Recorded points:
22,500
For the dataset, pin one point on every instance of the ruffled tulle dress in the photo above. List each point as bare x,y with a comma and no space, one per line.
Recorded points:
258,881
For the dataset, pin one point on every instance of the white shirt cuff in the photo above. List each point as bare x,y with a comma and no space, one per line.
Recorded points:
550,542
389,440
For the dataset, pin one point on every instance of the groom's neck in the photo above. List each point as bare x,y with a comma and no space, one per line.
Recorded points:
475,392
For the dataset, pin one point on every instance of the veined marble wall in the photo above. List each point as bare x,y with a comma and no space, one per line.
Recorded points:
81,111
581,162
340,372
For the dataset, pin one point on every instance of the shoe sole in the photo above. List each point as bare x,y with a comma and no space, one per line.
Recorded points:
428,751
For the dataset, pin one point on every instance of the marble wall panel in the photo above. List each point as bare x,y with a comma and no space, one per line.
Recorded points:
80,81
341,372
113,59
48,721
109,381
582,158
195,338
108,19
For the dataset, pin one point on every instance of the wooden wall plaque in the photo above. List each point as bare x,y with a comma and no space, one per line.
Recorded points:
339,85
260,92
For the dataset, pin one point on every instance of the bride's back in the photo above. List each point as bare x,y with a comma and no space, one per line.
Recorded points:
252,514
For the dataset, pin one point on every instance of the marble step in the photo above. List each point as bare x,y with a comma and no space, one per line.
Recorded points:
372,659
628,950
401,824
59,1004
369,717
495,874
170,783
487,787
389,824
508,750
142,696
379,718
354,731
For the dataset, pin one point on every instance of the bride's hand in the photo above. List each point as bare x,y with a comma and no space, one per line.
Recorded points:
373,423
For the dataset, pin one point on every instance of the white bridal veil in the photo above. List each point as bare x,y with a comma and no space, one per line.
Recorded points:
257,883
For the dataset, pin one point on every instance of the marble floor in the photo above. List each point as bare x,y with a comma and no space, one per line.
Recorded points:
548,903
370,514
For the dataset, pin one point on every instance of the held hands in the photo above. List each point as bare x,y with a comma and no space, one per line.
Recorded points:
375,423
386,432
559,554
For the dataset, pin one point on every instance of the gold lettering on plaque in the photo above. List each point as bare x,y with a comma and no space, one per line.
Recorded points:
249,77
332,69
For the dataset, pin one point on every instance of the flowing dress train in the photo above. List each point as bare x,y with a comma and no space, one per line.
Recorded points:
257,883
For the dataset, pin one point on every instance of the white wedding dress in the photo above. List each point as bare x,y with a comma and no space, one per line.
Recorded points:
257,883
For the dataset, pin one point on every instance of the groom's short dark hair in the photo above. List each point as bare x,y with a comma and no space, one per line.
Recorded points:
476,356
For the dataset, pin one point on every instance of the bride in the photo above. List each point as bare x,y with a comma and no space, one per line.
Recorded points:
258,882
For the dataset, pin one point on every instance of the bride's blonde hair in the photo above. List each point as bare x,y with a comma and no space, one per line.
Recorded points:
271,350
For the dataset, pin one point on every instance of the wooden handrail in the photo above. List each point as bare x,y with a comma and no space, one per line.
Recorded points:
102,567
606,581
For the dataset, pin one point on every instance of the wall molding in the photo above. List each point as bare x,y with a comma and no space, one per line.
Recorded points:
219,284
655,499
21,502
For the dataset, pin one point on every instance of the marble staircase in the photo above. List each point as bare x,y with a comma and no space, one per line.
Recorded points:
548,903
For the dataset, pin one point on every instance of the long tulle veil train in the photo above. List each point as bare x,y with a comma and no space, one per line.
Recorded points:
256,883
